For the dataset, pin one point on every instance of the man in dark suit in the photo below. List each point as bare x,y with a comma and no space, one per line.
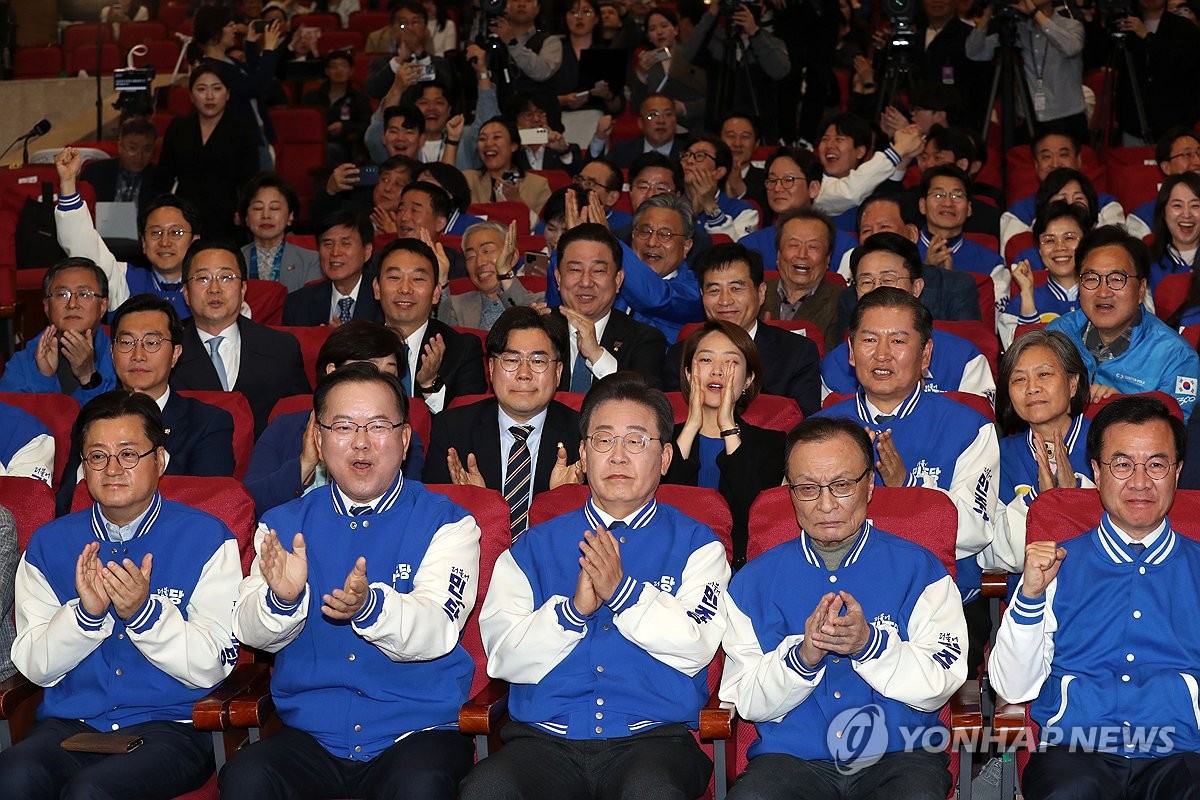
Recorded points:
146,336
733,290
131,177
344,245
520,442
222,350
656,118
948,294
602,341
442,362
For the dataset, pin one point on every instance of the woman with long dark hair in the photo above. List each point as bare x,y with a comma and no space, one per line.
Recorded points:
1176,227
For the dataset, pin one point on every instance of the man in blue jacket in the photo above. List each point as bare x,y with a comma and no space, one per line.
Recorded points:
361,589
1102,634
73,355
607,653
1125,350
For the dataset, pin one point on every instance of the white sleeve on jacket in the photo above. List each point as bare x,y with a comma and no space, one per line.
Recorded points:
977,378
842,194
973,491
255,624
197,651
763,686
682,630
1136,226
78,237
931,664
425,623
1112,214
746,222
51,640
34,460
1007,550
1021,658
524,643
1010,226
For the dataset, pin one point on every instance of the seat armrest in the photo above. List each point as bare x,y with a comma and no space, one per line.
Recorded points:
966,713
717,720
1008,725
995,584
15,691
253,706
211,712
480,716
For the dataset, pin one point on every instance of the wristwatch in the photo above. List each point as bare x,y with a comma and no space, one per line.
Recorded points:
93,382
736,430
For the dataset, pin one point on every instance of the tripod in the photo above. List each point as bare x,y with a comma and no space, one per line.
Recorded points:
727,78
1118,55
898,68
1007,80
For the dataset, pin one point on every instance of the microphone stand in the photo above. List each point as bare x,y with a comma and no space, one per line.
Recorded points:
99,63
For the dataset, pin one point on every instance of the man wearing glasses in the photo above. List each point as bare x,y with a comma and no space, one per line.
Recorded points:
168,226
659,288
922,438
521,441
146,333
604,621
1100,637
124,614
819,629
361,588
945,202
225,351
1125,350
656,118
706,163
73,354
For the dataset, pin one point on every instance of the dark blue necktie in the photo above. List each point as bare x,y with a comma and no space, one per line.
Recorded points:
359,511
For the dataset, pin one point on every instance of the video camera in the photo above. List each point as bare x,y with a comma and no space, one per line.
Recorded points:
134,90
729,7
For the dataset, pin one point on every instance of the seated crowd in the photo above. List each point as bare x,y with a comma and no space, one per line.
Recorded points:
516,274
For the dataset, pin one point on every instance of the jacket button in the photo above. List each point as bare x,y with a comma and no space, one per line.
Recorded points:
622,540
837,695
833,578
600,668
350,657
120,636
358,728
120,672
599,702
599,715
1137,615
116,727
353,526
599,729
358,748
1125,678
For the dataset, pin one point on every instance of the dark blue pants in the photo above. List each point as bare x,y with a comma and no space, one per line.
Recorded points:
1058,774
912,776
173,759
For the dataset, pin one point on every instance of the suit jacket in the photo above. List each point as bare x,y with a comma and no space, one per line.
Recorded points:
534,189
635,345
754,467
948,294
466,310
820,309
199,441
462,364
297,266
309,305
623,153
475,428
791,366
271,368
102,175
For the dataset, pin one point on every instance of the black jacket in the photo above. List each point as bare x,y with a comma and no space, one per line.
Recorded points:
635,345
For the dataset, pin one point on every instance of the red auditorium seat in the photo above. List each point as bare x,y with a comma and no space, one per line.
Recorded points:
38,62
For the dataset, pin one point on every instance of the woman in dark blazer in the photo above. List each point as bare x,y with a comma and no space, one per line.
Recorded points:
721,374
210,153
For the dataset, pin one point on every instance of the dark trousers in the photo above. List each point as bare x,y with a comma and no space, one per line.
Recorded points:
664,763
912,776
1058,774
291,765
173,759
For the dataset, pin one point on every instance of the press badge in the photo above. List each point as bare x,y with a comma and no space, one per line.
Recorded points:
1039,98
948,75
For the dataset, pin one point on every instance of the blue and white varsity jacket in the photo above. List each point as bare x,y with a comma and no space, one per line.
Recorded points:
1020,214
1050,301
111,673
1158,359
1018,487
397,667
638,661
1110,654
955,366
26,445
912,664
734,218
946,446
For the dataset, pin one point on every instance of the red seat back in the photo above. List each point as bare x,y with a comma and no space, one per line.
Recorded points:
1133,174
311,339
299,149
774,413
38,62
77,35
31,502
57,412
490,511
1016,245
1170,402
324,21
1060,514
368,21
162,55
224,498
243,423
342,40
139,33
557,178
979,334
265,299
84,58
1170,294
506,212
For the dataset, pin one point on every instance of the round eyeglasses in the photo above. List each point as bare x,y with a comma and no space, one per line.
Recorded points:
1115,280
127,458
1123,468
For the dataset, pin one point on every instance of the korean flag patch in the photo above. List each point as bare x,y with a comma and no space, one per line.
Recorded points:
1185,386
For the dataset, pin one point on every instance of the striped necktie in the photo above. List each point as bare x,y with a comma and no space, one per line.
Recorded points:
518,479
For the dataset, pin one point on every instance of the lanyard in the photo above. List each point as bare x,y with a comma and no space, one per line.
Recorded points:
1038,69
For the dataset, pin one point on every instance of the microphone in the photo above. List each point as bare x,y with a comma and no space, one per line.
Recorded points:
40,129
